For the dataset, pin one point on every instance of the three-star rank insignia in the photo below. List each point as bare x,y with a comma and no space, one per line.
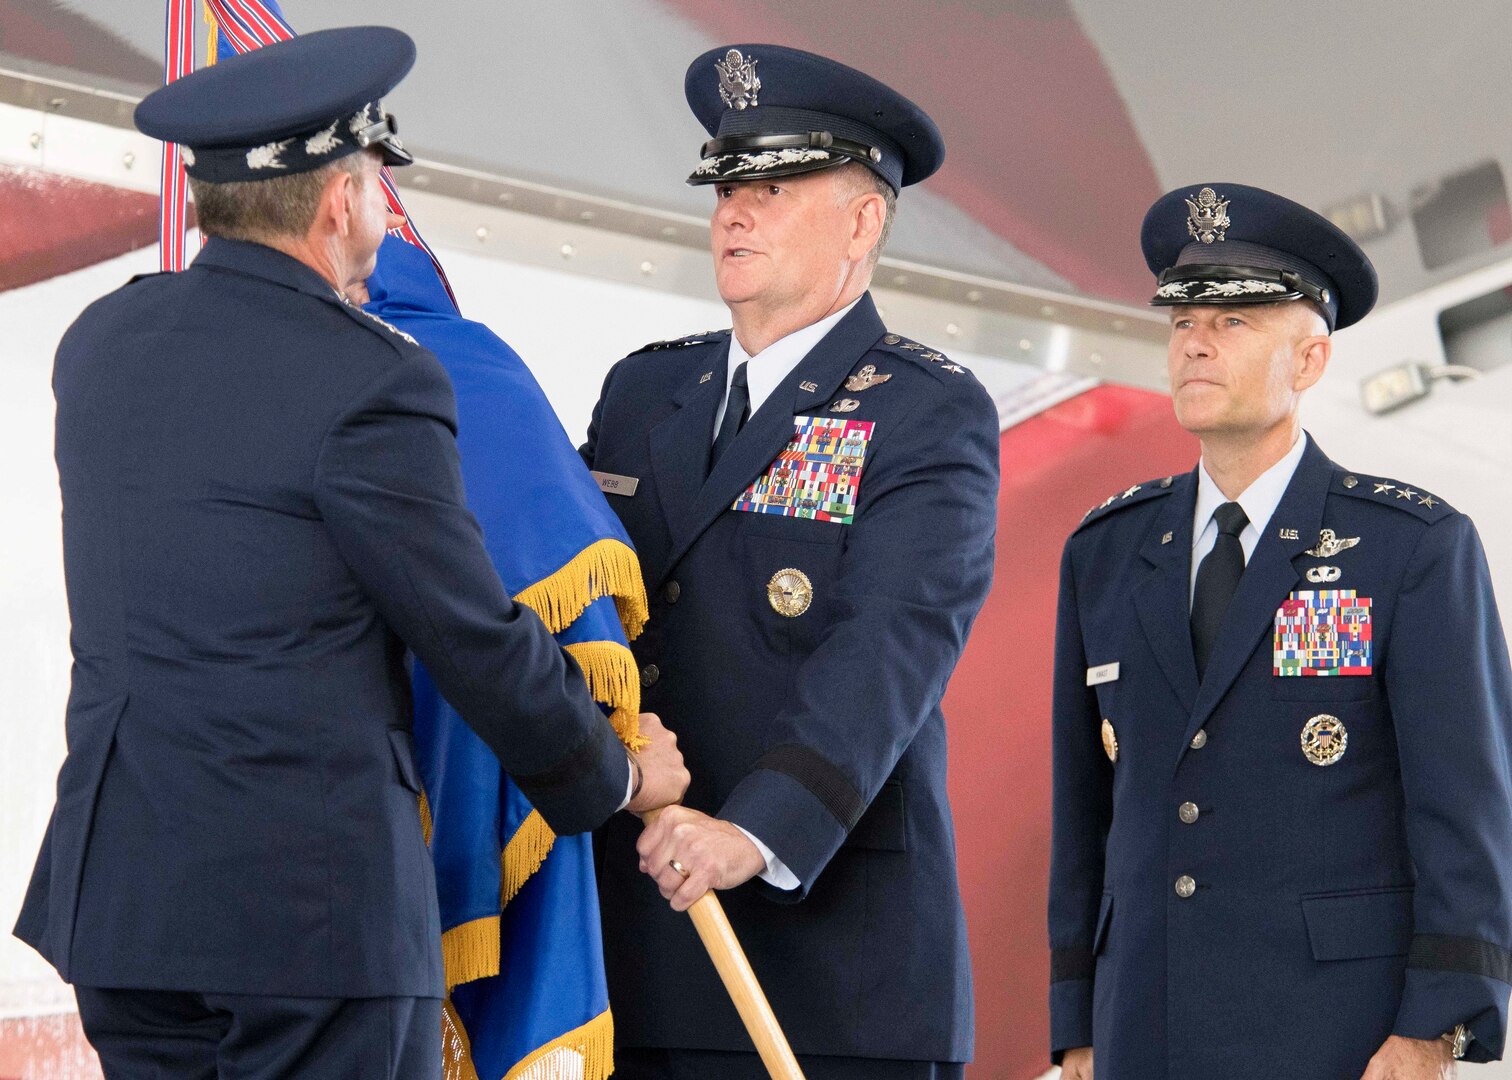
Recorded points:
790,592
1110,740
1324,739
865,379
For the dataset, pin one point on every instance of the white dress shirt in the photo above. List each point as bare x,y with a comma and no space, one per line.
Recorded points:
771,365
1259,502
764,373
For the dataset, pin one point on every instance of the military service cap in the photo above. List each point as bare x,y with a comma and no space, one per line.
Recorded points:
286,108
1232,244
776,111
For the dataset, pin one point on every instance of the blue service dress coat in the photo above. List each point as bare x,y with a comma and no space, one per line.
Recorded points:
820,733
262,508
1220,904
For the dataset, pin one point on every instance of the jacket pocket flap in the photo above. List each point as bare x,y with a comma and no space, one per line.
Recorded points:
404,757
1104,917
1359,924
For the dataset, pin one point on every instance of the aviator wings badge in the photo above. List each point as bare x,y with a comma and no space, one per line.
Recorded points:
1330,545
865,379
1208,218
738,81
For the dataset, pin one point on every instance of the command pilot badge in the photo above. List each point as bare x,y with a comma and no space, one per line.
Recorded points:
1110,740
738,82
790,592
1324,739
1329,545
1208,219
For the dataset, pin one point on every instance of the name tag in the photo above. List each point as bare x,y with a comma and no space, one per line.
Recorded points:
1103,673
610,484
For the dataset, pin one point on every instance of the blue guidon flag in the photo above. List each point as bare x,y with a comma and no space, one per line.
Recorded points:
527,999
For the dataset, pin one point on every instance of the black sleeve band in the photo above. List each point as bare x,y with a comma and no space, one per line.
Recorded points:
582,758
827,783
1068,965
1470,956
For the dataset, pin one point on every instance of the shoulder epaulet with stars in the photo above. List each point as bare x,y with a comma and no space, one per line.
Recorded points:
1392,493
682,342
361,313
1130,496
922,355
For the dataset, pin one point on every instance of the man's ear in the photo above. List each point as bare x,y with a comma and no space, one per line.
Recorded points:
870,213
1313,354
338,202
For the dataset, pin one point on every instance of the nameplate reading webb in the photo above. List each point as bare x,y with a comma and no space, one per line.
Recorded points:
817,474
1323,632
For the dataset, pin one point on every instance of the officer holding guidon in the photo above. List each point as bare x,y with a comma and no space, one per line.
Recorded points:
1282,812
262,509
813,500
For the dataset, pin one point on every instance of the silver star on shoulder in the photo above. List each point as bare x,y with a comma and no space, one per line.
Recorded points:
957,368
1383,487
1407,493
1132,490
1429,501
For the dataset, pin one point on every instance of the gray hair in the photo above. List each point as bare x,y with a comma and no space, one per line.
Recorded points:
279,207
856,179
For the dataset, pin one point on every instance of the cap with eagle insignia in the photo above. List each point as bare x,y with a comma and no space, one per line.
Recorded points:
286,108
1233,244
776,111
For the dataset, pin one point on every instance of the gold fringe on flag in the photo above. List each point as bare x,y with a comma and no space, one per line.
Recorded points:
523,855
604,568
456,1047
212,36
586,1052
426,825
471,951
613,680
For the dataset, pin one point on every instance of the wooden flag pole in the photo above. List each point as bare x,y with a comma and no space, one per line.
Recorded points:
734,969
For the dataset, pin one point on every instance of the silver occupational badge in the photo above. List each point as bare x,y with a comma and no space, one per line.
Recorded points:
1324,739
1208,218
738,82
845,405
1330,545
790,592
865,379
1323,575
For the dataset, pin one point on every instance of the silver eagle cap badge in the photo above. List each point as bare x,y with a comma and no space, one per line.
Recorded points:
1330,545
1207,217
738,81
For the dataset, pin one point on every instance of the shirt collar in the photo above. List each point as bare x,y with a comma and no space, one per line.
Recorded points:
766,370
1259,500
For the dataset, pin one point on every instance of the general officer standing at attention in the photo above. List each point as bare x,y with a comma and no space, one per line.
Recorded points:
1283,814
261,509
813,500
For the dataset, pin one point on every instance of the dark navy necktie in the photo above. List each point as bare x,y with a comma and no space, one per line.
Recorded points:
737,409
1217,578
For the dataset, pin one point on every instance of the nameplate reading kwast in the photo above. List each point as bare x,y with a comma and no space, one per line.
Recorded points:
610,484
1096,676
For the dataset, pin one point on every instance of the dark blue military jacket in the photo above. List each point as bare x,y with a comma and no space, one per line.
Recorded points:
261,508
821,733
1325,906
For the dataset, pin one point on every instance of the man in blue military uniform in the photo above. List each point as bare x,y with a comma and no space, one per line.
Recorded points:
813,500
1283,812
261,509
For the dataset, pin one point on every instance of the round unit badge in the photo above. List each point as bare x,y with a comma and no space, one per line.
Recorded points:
1324,739
1110,740
790,592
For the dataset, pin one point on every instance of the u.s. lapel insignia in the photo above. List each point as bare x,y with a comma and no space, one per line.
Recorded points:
1290,534
790,592
844,405
808,387
865,379
1323,575
1330,545
1110,740
1324,739
705,377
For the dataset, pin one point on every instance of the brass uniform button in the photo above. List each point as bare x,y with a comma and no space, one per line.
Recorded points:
649,674
1110,740
671,591
1188,813
1199,740
1185,887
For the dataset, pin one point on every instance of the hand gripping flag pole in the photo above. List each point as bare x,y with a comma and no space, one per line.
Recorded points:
718,937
